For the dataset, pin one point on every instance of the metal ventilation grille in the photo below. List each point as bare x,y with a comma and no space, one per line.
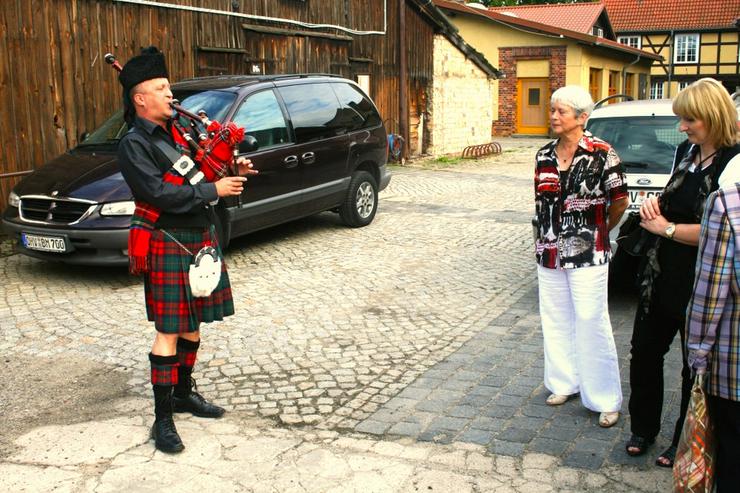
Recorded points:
60,211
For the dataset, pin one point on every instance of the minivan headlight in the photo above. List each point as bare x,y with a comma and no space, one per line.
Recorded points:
14,200
118,208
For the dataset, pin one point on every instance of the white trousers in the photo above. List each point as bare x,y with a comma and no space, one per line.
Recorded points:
580,354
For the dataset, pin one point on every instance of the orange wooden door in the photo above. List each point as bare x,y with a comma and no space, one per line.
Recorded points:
533,101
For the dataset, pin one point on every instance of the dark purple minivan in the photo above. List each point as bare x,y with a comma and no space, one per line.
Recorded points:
320,145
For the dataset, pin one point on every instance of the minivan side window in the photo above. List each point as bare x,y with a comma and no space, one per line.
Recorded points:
262,118
314,111
357,111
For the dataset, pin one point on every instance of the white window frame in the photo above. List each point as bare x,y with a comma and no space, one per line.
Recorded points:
682,41
684,84
631,41
656,90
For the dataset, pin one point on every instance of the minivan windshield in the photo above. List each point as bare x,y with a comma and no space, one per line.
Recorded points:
645,144
216,104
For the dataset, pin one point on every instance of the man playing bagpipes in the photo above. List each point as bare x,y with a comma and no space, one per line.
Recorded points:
174,219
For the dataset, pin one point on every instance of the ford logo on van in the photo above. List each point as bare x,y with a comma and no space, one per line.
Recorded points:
644,181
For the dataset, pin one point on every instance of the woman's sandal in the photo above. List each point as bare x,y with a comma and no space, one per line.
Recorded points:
668,456
607,420
639,443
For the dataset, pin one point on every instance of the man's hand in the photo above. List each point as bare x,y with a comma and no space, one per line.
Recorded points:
245,166
230,185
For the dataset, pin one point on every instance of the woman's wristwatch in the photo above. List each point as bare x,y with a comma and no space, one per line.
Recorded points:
670,231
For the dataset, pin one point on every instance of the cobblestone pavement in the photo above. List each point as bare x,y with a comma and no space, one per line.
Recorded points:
422,326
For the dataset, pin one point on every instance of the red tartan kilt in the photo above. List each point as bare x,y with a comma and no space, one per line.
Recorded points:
169,303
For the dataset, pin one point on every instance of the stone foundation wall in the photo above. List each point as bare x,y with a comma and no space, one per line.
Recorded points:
461,103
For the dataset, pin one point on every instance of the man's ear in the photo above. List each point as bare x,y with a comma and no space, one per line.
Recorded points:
138,99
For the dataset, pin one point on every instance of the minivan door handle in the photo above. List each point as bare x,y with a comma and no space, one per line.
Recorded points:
291,161
308,157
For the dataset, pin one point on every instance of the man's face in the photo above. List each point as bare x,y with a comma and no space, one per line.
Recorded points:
152,100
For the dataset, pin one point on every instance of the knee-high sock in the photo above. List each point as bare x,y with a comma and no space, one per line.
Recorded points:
164,376
187,352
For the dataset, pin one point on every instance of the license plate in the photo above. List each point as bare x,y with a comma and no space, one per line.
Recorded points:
637,197
44,243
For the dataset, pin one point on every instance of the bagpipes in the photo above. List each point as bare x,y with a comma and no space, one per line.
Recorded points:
217,145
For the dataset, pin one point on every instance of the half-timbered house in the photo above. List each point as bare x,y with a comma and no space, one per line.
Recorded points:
695,39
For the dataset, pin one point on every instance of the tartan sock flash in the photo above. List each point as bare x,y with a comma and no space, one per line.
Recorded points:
187,352
164,369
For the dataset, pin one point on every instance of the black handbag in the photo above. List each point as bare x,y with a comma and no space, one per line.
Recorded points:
634,239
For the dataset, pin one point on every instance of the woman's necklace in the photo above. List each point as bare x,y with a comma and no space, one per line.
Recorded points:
564,160
703,160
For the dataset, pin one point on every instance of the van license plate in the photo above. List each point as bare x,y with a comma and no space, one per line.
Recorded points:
638,196
44,243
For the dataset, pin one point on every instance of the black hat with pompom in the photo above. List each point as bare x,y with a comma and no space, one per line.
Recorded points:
149,64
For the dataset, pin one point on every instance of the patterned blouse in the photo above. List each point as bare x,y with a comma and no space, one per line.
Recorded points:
573,232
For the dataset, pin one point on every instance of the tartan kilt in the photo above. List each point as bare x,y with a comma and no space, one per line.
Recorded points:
169,303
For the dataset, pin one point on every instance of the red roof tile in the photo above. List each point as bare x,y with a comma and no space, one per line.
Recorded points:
528,25
664,15
579,17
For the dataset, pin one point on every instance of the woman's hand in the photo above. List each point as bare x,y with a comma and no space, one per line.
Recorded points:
657,225
650,209
245,166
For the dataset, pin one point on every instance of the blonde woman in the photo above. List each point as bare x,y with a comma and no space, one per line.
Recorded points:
708,117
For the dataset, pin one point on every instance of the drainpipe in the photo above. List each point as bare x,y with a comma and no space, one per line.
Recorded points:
403,117
670,67
624,73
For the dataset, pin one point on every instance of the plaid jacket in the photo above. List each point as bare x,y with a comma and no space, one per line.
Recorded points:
574,233
713,318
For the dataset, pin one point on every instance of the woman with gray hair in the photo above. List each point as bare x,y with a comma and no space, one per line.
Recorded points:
580,194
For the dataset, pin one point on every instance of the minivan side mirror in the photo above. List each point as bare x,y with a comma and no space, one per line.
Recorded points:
248,144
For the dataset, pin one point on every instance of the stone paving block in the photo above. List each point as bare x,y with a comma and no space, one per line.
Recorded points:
474,435
494,380
537,411
501,447
484,390
437,436
548,446
517,435
405,428
416,393
517,390
372,427
508,400
583,460
488,424
527,422
464,411
559,432
477,401
598,447
498,411
448,423
434,406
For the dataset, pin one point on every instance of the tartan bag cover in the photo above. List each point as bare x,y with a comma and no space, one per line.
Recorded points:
693,469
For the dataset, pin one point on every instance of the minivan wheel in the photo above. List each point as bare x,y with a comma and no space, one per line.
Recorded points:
361,203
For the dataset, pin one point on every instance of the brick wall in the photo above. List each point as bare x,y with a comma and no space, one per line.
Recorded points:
507,100
461,102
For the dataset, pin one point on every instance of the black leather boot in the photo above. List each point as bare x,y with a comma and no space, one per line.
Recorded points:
164,432
187,400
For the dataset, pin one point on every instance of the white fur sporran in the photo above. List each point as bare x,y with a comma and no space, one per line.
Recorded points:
204,273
